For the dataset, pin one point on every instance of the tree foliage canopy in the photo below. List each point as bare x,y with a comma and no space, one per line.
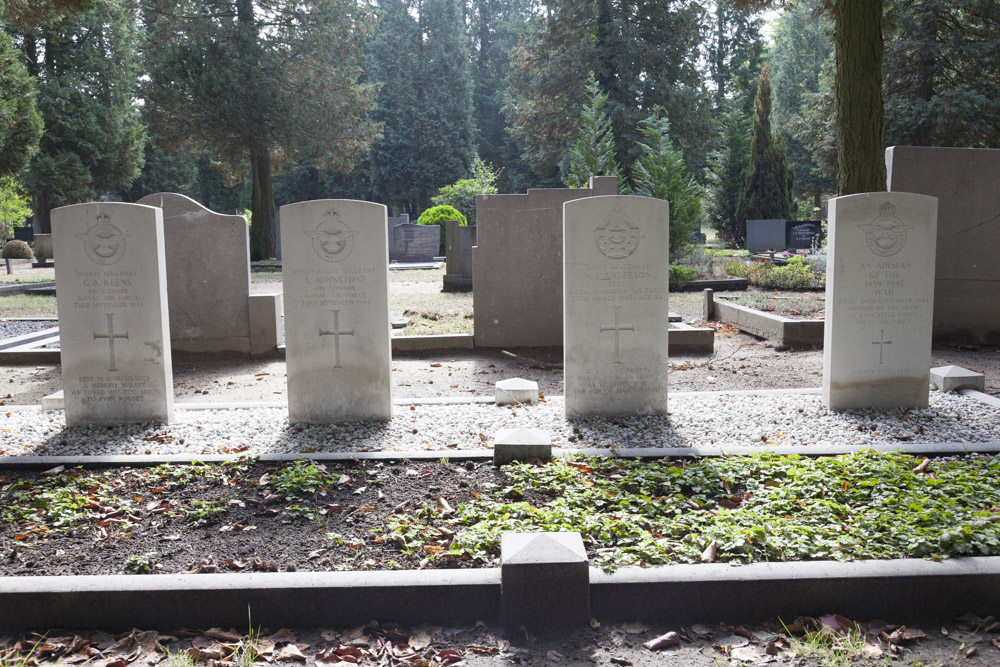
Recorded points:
20,123
260,83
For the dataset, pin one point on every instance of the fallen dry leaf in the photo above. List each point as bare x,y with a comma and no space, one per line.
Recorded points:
708,555
664,640
291,652
633,628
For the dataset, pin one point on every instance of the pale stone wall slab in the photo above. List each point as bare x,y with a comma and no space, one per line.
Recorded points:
879,300
517,265
113,322
617,254
336,293
967,270
208,275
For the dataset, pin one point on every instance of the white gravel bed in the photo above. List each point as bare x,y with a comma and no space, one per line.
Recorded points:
703,420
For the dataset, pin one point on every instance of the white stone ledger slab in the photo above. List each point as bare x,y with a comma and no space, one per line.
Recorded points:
879,300
113,323
335,269
616,255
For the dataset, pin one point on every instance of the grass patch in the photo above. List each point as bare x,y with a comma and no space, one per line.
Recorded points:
26,306
20,279
758,508
799,305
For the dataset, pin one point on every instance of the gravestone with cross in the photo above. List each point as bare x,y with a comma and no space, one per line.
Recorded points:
336,292
879,300
616,256
113,323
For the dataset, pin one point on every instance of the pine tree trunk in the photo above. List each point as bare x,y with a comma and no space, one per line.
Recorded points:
262,206
860,114
924,74
43,212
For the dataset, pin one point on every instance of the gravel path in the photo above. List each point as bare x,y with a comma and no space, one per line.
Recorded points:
702,420
13,328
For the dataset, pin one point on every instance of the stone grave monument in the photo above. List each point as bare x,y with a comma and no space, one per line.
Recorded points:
336,283
967,270
112,298
458,240
616,251
208,282
517,265
879,300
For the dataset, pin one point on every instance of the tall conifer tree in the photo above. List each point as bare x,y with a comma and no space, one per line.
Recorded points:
769,182
87,66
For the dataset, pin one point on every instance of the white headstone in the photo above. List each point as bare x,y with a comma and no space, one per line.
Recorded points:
335,269
879,300
113,325
616,253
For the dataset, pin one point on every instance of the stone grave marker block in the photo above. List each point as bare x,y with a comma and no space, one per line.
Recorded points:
336,292
113,322
544,580
518,444
616,254
515,390
879,300
953,378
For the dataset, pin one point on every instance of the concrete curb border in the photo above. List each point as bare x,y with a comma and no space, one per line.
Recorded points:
784,330
276,599
678,594
860,589
142,460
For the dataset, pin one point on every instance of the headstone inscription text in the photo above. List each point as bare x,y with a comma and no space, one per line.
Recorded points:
879,301
616,253
336,292
114,335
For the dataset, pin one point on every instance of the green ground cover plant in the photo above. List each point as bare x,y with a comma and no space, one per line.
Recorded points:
764,507
796,274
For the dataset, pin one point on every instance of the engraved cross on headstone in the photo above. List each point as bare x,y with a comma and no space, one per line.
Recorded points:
336,333
111,335
881,342
618,328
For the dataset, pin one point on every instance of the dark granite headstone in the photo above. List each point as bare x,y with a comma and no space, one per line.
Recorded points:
800,233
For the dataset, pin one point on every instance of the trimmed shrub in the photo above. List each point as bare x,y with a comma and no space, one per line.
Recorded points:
438,215
680,275
17,250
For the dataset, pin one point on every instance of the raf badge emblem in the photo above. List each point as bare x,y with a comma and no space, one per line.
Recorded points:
618,237
332,240
103,242
886,234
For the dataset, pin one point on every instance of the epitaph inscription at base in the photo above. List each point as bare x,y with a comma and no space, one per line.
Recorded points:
879,300
113,324
616,253
336,293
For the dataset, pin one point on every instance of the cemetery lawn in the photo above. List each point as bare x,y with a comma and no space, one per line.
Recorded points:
28,306
245,515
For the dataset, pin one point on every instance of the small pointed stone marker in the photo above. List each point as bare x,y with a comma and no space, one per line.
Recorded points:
953,378
519,444
516,390
545,580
